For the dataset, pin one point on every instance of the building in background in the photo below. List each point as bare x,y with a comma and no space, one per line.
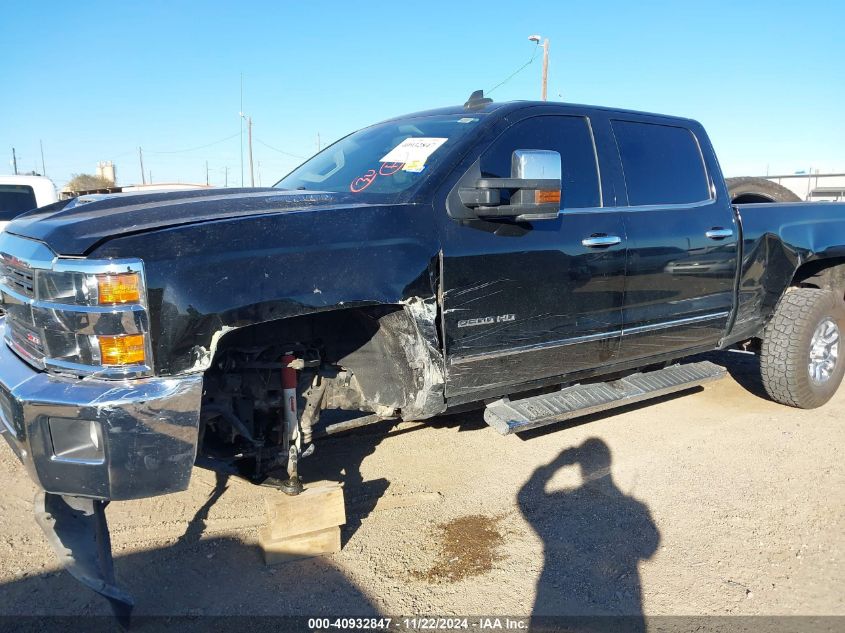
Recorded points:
107,170
814,187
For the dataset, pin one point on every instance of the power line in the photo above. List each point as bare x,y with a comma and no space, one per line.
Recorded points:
193,149
281,151
516,72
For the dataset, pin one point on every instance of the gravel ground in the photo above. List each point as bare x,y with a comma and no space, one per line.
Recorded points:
716,502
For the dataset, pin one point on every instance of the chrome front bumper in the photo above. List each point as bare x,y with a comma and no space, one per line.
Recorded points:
148,428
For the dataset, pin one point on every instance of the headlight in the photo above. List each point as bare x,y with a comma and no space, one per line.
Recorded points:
115,289
79,316
118,284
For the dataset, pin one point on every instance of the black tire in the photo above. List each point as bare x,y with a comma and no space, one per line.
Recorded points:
746,190
786,352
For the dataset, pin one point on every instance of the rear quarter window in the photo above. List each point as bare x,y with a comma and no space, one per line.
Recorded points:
14,200
662,164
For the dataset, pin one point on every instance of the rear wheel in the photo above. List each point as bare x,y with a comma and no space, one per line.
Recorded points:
801,359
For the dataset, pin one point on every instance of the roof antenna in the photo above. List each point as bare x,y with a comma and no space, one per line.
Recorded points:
477,101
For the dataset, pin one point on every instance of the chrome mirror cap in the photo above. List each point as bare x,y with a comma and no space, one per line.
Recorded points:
536,164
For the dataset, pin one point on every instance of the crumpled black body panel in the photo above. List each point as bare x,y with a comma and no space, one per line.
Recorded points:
206,279
777,239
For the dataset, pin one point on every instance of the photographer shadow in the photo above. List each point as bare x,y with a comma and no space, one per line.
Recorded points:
594,537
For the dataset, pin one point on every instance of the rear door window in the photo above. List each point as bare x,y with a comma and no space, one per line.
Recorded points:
570,136
662,164
14,200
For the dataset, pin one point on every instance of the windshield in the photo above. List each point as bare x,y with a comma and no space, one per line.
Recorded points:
386,159
14,200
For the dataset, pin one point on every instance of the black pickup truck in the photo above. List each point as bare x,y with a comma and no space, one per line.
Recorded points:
540,260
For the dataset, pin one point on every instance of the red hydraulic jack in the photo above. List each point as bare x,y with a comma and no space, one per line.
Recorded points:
292,433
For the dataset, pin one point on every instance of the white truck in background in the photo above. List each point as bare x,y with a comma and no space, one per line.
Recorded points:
22,193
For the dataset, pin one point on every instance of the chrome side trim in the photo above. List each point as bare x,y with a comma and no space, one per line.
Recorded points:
596,157
670,324
470,358
641,207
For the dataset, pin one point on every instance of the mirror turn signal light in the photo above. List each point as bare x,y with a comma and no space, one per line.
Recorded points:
120,288
546,196
122,350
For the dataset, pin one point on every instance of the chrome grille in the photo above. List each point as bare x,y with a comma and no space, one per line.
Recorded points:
26,341
19,279
52,315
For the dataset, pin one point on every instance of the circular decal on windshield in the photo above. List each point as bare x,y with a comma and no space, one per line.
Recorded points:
362,182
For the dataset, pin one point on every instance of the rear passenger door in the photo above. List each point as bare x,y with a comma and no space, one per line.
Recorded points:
682,240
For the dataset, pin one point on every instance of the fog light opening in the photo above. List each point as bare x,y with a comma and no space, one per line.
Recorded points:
76,441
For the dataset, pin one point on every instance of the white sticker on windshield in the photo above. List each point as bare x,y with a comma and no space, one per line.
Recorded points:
413,152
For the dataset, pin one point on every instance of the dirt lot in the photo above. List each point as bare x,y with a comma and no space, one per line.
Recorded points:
715,502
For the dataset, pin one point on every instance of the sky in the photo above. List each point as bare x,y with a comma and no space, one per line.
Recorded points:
94,81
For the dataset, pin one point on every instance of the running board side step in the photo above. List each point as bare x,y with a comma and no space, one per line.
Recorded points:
514,416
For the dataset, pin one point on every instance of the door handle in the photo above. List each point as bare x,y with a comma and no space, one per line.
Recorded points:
718,233
597,241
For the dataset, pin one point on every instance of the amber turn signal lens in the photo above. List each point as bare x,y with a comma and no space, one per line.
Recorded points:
122,350
123,288
545,196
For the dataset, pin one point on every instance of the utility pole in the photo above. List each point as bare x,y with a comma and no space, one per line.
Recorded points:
242,129
15,161
318,143
206,173
141,158
545,68
226,176
249,142
43,168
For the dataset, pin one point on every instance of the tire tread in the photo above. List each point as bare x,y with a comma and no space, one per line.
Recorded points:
783,370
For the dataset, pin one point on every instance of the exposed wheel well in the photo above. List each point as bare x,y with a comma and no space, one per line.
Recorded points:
827,274
336,333
381,359
391,351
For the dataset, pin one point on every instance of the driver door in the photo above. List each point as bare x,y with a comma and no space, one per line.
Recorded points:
524,301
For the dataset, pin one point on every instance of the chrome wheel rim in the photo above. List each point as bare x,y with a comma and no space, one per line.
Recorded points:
824,351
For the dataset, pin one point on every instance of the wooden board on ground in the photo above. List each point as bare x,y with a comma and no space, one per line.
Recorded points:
304,525
326,541
317,508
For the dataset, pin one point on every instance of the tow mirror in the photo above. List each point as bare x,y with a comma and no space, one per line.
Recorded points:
531,193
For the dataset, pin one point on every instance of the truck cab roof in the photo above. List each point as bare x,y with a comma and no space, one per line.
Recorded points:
507,107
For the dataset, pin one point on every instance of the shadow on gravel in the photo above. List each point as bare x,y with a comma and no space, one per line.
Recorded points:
216,584
339,458
743,368
594,537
